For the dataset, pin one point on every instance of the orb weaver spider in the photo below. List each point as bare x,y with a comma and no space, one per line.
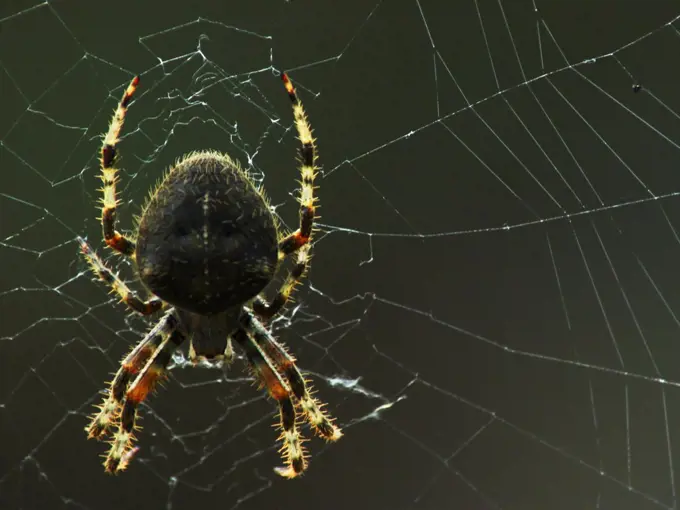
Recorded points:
205,247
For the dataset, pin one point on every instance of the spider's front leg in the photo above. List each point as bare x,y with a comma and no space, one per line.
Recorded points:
268,375
144,384
320,421
109,411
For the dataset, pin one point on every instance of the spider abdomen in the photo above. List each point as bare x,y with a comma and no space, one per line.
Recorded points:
207,240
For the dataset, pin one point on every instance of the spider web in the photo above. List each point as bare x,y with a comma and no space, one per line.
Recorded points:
492,309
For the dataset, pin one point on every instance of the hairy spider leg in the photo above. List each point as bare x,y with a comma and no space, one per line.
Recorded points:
320,421
293,453
153,372
118,286
299,241
109,411
109,177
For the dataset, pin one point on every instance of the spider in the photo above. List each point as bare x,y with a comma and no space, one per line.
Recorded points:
206,246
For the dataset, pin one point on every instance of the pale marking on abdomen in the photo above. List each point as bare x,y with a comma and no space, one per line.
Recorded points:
206,236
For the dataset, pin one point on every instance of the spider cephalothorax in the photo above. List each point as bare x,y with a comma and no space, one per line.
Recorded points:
206,245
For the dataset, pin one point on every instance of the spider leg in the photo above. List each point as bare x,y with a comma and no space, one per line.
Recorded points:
321,423
278,388
299,241
109,177
266,311
145,383
127,296
109,411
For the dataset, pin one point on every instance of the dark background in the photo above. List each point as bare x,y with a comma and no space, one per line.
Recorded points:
492,309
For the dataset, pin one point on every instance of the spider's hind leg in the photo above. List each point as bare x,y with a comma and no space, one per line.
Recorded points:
109,176
299,241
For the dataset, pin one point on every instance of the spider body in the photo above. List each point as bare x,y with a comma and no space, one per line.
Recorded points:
206,245
209,333
207,240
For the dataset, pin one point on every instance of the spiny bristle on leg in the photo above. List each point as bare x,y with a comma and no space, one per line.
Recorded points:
318,418
104,420
293,453
121,444
127,458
